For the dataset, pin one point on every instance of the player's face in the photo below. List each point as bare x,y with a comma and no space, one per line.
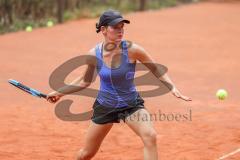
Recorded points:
115,33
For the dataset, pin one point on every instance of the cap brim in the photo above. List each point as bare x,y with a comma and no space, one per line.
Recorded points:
116,21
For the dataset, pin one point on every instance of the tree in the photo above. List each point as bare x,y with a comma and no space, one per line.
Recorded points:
142,5
60,10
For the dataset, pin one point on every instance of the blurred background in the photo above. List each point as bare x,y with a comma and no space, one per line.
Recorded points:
18,14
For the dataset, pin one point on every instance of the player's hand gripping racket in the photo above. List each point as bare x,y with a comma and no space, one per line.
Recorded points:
27,89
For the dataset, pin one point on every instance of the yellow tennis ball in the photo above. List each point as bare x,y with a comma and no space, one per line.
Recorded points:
28,29
221,94
50,23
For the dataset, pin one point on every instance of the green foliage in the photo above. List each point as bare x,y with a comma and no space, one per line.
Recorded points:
17,14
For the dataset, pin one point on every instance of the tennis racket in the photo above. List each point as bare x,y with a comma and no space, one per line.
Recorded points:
27,89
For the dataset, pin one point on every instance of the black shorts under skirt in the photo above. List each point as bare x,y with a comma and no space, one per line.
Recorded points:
103,115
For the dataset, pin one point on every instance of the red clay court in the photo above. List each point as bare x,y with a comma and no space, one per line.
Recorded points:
199,43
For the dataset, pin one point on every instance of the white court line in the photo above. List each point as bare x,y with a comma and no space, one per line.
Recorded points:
229,154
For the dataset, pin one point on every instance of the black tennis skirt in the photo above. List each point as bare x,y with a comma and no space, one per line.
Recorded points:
103,114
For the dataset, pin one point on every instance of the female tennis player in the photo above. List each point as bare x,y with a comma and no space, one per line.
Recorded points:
117,99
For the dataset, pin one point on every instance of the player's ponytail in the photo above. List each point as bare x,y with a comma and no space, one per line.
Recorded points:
98,28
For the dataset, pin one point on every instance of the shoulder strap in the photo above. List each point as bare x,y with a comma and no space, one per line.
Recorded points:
125,50
98,50
98,55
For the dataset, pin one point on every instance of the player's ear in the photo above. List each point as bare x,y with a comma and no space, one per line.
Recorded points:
104,29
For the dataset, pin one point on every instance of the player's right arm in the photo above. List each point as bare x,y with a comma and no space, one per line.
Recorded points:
80,82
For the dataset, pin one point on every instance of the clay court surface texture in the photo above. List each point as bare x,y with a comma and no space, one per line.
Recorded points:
199,43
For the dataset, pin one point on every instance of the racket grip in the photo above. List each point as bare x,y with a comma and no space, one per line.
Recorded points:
43,95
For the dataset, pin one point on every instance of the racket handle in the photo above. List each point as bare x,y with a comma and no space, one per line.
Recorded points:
43,95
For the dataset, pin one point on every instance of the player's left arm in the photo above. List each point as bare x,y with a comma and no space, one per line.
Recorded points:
140,54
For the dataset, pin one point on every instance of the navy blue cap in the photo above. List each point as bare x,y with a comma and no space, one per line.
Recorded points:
110,18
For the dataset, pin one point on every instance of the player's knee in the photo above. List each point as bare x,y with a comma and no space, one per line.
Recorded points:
85,155
149,138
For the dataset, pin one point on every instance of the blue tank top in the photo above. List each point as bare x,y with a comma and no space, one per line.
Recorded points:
116,84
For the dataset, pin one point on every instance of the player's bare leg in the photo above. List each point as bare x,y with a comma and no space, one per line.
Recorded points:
141,124
93,140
